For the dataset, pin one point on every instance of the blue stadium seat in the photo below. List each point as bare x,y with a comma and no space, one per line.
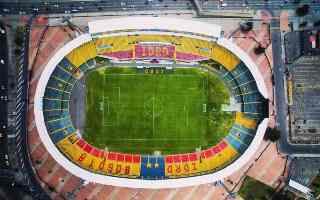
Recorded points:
241,135
252,97
65,64
55,113
244,129
244,77
240,69
59,135
87,65
152,167
56,137
56,93
56,82
59,128
49,104
236,144
91,63
63,74
58,123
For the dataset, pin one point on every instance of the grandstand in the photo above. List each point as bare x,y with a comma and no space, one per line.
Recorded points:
73,61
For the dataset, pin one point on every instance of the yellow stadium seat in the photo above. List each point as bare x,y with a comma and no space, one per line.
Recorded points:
181,169
135,169
97,163
68,148
82,54
209,160
195,46
229,154
113,44
181,165
125,43
121,168
225,57
245,122
220,159
182,44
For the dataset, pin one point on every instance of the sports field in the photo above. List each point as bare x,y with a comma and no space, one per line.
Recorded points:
173,112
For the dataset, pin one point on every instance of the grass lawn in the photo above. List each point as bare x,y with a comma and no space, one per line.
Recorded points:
130,111
315,186
255,190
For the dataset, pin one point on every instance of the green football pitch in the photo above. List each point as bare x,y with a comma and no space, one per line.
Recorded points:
134,112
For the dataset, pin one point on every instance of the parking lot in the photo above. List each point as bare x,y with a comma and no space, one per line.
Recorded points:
305,108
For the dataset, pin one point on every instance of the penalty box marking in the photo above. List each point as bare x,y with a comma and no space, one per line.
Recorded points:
185,109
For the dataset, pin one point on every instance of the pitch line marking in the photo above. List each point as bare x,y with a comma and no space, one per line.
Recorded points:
153,116
119,93
104,83
108,105
186,112
155,139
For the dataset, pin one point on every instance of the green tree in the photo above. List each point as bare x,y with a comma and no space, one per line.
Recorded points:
252,189
246,26
259,49
272,134
302,10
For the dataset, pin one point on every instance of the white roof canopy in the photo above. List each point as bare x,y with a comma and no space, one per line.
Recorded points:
163,23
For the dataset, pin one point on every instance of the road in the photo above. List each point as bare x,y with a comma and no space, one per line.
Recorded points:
278,66
3,98
25,7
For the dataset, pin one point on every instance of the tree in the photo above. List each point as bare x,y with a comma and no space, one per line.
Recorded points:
316,23
272,134
259,49
283,195
302,10
19,36
303,25
246,26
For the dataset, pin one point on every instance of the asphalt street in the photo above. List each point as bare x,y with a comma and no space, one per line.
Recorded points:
3,97
23,7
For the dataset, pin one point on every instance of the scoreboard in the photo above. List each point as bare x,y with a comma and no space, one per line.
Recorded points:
149,51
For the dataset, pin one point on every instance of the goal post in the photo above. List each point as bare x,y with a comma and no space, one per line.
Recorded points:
204,107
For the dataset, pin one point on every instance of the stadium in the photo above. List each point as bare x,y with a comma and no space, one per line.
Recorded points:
151,102
159,100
